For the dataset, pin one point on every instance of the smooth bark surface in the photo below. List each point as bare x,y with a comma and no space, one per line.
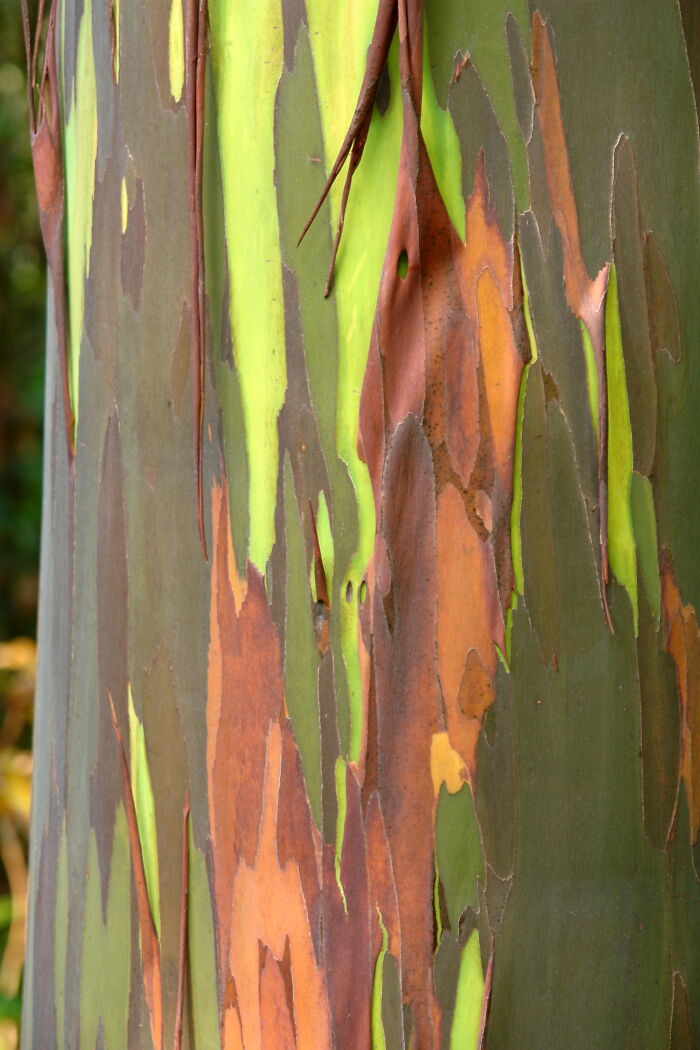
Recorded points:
369,661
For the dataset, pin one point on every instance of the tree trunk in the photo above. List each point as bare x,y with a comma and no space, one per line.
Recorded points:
369,660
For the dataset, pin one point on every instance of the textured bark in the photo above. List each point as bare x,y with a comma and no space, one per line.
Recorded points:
369,657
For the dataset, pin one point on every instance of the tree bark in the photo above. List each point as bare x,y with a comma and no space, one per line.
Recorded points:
369,675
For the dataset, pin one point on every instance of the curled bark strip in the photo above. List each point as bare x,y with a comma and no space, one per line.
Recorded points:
45,140
195,58
356,137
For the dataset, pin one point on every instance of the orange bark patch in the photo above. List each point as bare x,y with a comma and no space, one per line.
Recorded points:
266,869
277,1030
503,367
245,693
484,247
469,622
267,908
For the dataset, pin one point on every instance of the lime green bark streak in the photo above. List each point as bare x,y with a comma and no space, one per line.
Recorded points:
591,379
466,1021
516,539
245,89
61,937
80,147
644,517
142,790
377,1025
340,35
621,544
176,50
106,956
442,145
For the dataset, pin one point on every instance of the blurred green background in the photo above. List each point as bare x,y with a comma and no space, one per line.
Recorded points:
22,314
22,295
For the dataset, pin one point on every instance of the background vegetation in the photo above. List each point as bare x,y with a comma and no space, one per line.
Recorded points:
22,294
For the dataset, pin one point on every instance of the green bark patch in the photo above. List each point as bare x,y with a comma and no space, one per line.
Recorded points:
201,946
628,248
459,855
516,510
466,1020
80,146
661,726
644,520
587,886
442,144
392,1015
376,1019
245,89
621,545
142,790
477,29
106,955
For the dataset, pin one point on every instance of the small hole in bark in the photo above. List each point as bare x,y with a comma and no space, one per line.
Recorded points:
383,96
363,592
348,591
402,264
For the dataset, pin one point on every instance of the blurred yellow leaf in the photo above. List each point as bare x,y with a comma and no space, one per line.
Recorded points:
18,655
16,785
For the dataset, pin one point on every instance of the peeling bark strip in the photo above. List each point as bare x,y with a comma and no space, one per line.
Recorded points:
390,780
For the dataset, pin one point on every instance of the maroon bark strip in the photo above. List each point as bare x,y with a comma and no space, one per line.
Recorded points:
409,713
195,64
45,140
347,928
356,137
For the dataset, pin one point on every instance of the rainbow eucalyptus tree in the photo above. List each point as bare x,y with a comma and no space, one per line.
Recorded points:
370,666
